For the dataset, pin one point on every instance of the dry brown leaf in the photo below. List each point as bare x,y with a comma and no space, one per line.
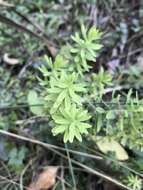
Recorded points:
4,3
52,50
9,60
45,180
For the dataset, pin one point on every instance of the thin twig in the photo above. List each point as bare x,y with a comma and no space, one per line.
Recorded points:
46,145
11,181
71,168
23,173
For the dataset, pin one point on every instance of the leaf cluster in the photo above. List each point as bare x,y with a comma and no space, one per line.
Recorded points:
85,48
64,87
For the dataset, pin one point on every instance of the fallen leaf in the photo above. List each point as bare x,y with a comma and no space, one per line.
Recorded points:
45,180
107,145
52,50
9,60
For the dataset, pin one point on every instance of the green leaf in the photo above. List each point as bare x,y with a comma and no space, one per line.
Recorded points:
66,136
44,70
74,96
79,88
60,119
67,103
96,46
100,110
83,127
54,90
59,101
94,34
110,115
72,132
35,103
99,123
49,61
129,95
59,62
83,31
59,129
74,50
83,116
78,136
16,158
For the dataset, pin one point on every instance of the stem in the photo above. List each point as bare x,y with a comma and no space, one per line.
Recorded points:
71,168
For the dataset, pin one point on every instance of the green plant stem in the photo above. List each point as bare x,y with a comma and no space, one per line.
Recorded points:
71,168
